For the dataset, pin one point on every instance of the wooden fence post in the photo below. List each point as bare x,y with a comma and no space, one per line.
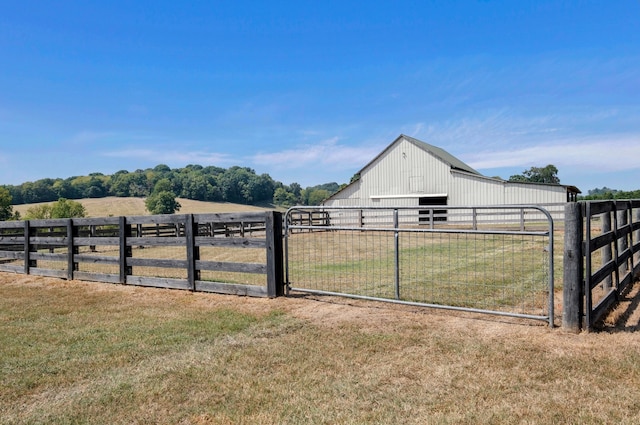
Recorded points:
191,231
92,234
623,245
573,286
606,250
125,251
635,238
275,276
70,250
27,247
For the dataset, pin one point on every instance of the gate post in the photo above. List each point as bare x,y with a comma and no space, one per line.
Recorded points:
573,287
273,224
193,252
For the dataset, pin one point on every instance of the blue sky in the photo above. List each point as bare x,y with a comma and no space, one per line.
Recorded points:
310,92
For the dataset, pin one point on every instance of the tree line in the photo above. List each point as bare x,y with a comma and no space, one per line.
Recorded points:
606,193
239,185
549,174
161,186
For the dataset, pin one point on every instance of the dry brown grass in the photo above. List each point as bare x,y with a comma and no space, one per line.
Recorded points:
75,352
114,206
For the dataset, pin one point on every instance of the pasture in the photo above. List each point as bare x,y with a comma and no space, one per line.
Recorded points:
114,206
77,352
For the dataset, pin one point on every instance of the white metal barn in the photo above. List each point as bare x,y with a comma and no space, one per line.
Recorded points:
410,173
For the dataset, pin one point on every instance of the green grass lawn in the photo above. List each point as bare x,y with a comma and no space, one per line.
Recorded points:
92,353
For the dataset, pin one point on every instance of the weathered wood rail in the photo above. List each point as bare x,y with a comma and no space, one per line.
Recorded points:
179,250
601,258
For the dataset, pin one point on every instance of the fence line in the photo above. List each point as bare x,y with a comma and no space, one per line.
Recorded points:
189,251
192,252
601,258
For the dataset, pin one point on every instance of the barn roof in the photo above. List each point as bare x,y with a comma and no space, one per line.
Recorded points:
455,164
445,156
439,153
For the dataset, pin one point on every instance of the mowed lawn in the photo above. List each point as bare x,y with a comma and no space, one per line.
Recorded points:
77,352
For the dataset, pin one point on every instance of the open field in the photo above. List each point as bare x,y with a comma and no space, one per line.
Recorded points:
113,206
77,352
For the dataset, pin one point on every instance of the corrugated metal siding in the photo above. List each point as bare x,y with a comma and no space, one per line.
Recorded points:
475,190
468,189
534,194
406,169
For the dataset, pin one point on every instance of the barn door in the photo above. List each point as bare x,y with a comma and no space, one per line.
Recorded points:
438,215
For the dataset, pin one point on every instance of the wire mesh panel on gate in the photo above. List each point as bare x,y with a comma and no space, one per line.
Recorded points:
468,265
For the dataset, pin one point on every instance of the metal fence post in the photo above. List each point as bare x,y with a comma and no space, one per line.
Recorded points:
396,241
573,288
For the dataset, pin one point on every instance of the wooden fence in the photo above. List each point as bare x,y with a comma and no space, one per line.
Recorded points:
199,252
601,258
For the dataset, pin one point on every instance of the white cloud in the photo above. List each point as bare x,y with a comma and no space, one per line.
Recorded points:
328,153
164,156
90,137
605,153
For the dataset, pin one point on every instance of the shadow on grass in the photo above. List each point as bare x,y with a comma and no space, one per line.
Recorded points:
626,315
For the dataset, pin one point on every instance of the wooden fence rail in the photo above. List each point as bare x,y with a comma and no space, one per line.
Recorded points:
601,258
170,251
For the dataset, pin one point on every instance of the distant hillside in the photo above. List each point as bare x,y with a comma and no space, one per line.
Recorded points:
239,185
116,206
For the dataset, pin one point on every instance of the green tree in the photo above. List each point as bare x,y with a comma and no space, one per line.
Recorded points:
38,212
163,202
95,188
548,174
38,191
67,209
316,196
6,210
127,184
163,185
120,183
284,198
259,189
63,208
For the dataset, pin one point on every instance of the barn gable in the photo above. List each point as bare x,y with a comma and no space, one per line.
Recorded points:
410,172
437,152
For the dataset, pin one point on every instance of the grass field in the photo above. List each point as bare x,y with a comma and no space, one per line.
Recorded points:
113,206
75,352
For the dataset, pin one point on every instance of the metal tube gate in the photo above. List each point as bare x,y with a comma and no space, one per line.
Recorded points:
481,259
